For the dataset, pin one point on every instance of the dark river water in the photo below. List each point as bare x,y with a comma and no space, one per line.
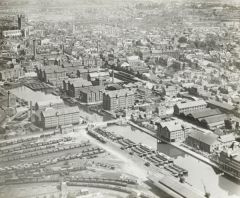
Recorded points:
200,174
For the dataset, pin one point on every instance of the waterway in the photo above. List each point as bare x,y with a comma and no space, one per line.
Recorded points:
30,95
200,174
35,96
90,116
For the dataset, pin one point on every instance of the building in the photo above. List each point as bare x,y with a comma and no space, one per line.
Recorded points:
206,142
170,91
188,107
41,105
226,140
52,74
224,107
229,161
203,113
213,122
91,94
50,118
11,74
11,33
173,131
118,99
72,86
98,78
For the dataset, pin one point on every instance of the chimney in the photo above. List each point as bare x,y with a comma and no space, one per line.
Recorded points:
19,22
34,48
8,105
112,76
30,109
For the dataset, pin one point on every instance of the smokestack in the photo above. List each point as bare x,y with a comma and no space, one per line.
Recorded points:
19,22
62,48
30,109
112,76
34,48
8,105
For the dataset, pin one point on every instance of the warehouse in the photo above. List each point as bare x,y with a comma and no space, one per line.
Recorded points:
224,107
173,131
188,107
57,103
205,142
72,86
213,122
51,118
118,99
91,94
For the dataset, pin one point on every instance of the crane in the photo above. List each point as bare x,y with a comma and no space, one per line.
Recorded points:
207,194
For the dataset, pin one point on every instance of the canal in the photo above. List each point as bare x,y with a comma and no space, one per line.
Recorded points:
200,174
29,95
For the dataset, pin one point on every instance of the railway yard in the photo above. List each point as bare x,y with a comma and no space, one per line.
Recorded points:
161,162
76,159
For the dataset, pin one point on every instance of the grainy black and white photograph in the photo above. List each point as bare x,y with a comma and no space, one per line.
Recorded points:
119,98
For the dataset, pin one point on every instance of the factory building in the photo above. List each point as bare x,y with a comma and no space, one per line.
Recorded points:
51,118
189,107
72,86
11,74
91,94
41,105
173,131
118,99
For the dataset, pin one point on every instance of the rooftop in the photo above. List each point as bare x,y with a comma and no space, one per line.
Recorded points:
208,138
221,105
50,102
118,93
173,126
78,82
227,138
205,113
191,104
54,112
214,119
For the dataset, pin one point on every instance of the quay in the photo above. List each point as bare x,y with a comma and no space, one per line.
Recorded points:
185,150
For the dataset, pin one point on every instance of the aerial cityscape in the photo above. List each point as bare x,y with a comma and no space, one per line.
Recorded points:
119,99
